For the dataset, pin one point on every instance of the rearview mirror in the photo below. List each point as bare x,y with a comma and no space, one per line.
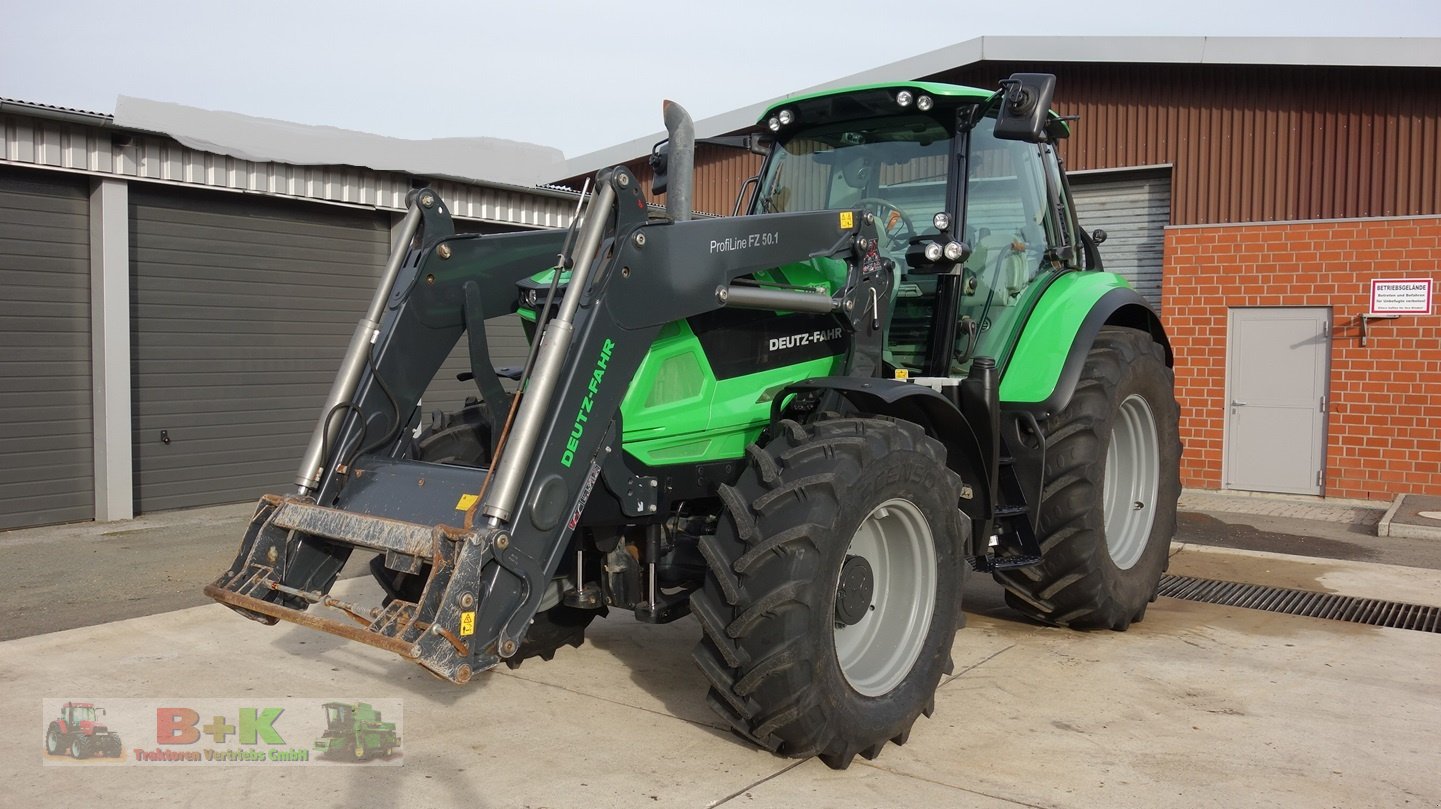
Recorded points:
659,166
1025,105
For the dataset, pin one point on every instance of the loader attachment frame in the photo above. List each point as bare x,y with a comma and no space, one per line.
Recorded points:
493,538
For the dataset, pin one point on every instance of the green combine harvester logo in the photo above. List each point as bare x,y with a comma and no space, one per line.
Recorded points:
356,733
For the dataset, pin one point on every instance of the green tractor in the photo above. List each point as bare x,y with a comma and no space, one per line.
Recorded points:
356,732
802,425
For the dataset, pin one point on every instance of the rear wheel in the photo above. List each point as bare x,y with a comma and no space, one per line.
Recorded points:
1108,509
78,748
832,593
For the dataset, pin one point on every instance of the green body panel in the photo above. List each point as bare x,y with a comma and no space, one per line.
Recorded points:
716,420
1032,370
677,412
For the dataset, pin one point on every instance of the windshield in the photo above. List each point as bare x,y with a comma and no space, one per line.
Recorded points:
894,167
82,714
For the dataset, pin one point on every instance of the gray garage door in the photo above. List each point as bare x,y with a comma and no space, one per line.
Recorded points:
1134,209
241,310
46,455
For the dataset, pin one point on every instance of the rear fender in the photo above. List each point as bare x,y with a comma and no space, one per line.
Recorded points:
921,405
1042,372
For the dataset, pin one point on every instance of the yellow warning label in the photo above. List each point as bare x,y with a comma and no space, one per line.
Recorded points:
902,373
466,501
848,220
467,624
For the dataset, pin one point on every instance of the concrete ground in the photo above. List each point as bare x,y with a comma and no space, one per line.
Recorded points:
1199,705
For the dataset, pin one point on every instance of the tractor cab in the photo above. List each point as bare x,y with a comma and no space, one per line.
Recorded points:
339,719
974,217
79,714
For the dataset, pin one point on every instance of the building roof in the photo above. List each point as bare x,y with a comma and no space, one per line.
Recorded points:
482,161
492,162
1316,51
51,111
149,142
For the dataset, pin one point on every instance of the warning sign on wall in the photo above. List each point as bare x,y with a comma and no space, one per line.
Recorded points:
1401,296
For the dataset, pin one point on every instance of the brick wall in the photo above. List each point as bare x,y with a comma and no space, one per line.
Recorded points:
1384,434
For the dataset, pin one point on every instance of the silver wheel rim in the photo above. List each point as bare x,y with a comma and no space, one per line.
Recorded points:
878,651
1133,473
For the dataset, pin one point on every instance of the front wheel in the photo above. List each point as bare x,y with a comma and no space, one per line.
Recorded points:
54,740
832,593
1112,478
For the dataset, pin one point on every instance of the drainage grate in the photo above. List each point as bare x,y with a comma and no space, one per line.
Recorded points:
1303,602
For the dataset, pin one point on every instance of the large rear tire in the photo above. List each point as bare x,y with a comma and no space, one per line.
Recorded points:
832,594
1108,508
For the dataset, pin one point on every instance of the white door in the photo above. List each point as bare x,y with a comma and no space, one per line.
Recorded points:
1276,382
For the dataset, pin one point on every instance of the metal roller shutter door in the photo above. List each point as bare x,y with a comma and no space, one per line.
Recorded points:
241,312
1134,211
47,465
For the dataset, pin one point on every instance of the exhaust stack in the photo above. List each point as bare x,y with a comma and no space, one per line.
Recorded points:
680,161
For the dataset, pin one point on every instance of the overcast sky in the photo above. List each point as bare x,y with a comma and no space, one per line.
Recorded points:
572,75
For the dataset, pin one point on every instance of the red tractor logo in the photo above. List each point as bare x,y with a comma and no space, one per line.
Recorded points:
78,733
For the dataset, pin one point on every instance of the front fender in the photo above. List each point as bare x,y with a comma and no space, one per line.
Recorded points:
921,405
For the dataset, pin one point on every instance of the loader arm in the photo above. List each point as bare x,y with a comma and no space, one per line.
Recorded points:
493,538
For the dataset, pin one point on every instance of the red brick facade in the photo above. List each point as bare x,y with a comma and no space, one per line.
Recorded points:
1384,433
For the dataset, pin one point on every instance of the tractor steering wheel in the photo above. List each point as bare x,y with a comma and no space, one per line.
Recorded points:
898,237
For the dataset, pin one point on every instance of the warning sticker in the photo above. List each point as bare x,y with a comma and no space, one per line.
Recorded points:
467,624
1401,296
466,501
848,220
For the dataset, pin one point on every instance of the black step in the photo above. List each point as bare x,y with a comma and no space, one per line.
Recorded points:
1004,512
987,564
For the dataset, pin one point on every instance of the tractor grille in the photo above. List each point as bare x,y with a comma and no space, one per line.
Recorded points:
1332,606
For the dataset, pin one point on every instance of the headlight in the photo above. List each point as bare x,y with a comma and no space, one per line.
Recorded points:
924,103
955,251
786,117
942,221
904,98
774,123
933,252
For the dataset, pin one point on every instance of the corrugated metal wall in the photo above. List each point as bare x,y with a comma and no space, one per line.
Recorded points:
46,431
241,310
68,146
719,173
1255,143
1133,208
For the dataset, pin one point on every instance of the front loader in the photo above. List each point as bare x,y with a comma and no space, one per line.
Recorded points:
802,425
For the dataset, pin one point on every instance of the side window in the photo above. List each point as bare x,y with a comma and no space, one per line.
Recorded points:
1009,229
1005,208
